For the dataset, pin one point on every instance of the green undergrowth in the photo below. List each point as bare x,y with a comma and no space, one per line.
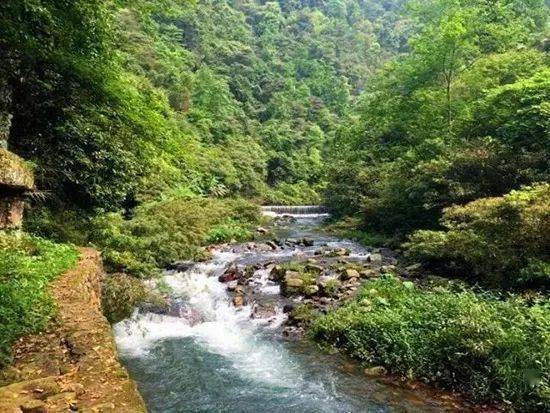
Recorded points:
27,265
122,293
300,193
489,348
502,242
156,234
350,227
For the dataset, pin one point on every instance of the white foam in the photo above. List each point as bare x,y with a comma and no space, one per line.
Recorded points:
224,329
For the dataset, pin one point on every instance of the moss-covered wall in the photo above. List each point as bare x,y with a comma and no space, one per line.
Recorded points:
15,178
14,172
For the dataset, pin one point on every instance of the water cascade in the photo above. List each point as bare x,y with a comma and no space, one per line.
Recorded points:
294,210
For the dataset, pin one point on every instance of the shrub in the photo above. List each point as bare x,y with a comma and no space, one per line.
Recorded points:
169,230
489,349
230,229
152,235
299,193
27,265
493,240
120,295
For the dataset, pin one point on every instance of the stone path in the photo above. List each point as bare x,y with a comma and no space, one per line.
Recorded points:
73,366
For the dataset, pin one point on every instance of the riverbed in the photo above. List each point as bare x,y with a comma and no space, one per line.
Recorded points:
212,356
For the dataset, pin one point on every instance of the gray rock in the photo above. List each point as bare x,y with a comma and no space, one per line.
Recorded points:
375,258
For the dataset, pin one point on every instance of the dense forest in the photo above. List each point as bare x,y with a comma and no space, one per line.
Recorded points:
155,128
213,99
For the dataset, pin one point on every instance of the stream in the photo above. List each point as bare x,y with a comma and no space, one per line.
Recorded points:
207,355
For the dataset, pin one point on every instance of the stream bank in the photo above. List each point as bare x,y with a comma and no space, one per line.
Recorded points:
73,365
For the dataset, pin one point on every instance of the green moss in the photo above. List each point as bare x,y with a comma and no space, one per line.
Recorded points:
489,348
27,265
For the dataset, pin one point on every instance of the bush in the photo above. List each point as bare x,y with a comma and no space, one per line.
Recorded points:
300,193
493,240
170,230
228,230
27,265
119,296
155,234
492,350
351,227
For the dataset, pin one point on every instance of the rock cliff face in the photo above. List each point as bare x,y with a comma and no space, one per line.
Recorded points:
73,366
15,179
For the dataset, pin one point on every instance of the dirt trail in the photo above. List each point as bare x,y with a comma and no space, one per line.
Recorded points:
73,366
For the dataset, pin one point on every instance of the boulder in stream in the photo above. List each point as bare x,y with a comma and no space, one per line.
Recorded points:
263,311
349,273
375,258
339,252
375,371
238,300
231,274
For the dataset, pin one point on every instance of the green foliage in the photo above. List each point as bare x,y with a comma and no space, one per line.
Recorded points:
502,241
331,287
350,227
304,314
119,102
156,234
120,294
166,231
491,349
228,230
27,265
299,193
462,115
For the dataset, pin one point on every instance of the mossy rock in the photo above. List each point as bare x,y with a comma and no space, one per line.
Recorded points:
14,172
295,282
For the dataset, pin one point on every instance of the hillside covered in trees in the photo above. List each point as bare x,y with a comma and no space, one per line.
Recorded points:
214,98
156,127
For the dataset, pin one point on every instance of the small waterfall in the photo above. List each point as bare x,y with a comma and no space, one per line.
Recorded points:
295,210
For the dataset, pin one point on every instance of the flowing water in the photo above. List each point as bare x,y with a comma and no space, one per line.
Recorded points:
209,356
